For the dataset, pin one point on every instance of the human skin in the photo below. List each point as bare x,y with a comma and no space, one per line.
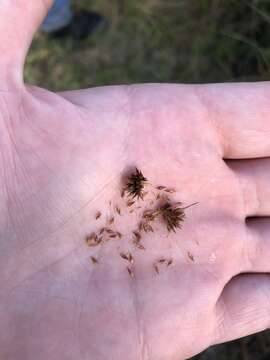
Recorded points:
62,159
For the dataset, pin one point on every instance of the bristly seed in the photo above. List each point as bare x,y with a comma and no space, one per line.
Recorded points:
98,215
169,262
191,257
94,260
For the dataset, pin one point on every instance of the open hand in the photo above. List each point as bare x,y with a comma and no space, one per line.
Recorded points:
63,157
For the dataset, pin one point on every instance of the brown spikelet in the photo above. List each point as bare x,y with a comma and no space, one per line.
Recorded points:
160,187
130,203
130,272
137,235
135,185
171,191
138,245
191,257
109,231
92,240
156,268
98,215
118,210
161,261
101,230
127,256
94,260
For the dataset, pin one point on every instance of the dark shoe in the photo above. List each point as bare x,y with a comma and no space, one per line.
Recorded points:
83,24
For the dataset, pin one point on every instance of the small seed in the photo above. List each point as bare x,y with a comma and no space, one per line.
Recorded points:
158,196
123,193
130,203
162,261
169,262
127,256
131,273
191,257
171,191
139,245
119,234
109,231
111,220
101,230
98,215
156,268
94,260
113,236
131,211
124,256
118,210
161,187
92,240
137,235
99,240
147,228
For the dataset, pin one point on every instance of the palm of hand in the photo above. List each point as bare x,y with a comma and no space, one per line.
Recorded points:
63,157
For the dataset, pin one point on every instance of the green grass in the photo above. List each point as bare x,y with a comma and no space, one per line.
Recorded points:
190,41
159,41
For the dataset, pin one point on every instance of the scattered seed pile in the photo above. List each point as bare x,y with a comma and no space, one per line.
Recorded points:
172,215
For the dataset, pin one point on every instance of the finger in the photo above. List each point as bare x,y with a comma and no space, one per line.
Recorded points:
257,246
241,115
19,19
243,308
253,178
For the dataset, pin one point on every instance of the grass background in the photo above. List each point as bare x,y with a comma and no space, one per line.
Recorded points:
186,41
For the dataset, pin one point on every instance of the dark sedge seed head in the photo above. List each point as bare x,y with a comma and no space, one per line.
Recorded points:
136,184
173,216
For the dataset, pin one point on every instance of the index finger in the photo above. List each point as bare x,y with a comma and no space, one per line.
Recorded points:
240,113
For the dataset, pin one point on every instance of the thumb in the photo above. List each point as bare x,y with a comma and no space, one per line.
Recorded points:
19,19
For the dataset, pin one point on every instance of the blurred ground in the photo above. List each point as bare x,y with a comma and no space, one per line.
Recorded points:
165,41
